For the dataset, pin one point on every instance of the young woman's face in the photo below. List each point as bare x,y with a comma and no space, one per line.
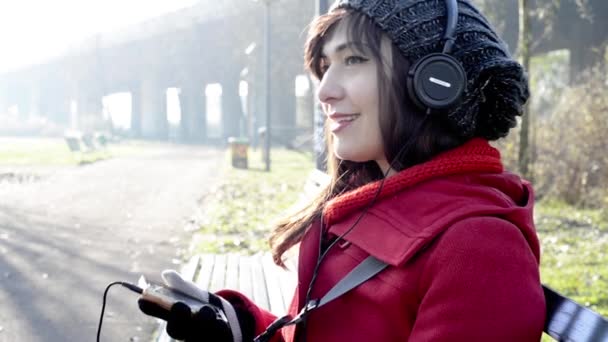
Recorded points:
349,95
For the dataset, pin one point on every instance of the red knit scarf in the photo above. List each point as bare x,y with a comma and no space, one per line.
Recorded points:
474,156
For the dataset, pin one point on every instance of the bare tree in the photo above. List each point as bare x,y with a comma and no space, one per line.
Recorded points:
524,55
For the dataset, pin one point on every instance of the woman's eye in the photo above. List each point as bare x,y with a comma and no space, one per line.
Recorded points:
354,60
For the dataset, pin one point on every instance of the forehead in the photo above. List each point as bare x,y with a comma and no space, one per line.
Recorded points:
336,39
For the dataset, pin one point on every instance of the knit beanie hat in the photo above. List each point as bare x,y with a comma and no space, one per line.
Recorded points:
497,86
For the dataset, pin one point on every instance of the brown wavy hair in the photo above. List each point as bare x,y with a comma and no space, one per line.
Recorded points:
400,123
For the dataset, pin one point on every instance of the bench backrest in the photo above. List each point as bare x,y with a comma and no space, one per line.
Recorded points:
569,321
87,140
73,143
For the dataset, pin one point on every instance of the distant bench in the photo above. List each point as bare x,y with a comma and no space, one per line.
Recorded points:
271,287
87,142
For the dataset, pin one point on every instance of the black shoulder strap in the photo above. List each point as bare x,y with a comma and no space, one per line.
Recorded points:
357,276
360,274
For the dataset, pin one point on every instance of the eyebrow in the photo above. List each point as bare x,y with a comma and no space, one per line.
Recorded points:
342,47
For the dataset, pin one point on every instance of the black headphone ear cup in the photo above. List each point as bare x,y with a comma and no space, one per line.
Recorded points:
436,81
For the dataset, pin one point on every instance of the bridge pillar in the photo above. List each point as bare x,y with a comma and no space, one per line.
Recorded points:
89,110
233,121
305,106
56,107
59,111
154,122
283,115
136,111
256,99
34,102
3,101
192,100
23,104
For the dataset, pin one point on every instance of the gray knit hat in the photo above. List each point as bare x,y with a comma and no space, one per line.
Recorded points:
497,86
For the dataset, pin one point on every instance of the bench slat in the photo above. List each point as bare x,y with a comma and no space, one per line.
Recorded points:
245,277
260,296
204,275
273,285
288,281
190,268
218,277
232,271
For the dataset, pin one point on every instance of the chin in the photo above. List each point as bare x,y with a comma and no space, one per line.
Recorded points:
350,155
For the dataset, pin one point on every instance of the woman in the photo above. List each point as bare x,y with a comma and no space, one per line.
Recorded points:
413,184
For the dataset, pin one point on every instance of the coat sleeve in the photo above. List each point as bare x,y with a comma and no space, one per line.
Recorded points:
262,317
481,283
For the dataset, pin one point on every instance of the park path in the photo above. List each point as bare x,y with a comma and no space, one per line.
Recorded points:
66,235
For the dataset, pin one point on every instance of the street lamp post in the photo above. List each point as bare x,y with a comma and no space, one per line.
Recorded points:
267,104
267,81
319,118
322,7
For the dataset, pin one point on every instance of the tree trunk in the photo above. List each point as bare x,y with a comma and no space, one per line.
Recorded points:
524,56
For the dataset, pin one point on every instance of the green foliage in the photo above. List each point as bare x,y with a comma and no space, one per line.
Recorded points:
574,253
549,79
572,164
239,212
568,135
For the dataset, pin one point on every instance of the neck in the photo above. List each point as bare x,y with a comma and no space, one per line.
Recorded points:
386,169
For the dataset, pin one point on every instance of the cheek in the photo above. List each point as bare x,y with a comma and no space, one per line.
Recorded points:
364,92
367,102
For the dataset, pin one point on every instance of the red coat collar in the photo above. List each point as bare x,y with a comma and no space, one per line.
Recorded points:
475,156
405,221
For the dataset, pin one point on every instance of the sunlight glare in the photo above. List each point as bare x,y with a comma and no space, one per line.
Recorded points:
34,30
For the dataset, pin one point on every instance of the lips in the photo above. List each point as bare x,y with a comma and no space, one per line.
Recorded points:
341,121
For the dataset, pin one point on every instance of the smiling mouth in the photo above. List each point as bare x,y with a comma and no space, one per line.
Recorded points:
338,124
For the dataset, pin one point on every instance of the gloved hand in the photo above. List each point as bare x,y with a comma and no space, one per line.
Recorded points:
209,318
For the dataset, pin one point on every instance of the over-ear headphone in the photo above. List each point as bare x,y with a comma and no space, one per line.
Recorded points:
437,81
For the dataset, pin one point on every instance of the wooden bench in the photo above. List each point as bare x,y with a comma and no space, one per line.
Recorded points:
271,287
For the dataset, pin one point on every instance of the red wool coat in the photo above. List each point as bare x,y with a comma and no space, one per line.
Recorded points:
458,235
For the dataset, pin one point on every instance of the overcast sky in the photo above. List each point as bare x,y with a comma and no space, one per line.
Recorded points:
32,30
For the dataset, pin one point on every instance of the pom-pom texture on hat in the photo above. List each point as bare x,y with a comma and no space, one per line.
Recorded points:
497,86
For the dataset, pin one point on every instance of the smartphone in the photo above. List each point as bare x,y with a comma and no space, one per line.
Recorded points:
165,297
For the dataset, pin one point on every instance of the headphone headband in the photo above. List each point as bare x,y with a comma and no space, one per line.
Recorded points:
437,81
450,29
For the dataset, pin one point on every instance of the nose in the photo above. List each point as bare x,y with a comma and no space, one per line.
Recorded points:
330,89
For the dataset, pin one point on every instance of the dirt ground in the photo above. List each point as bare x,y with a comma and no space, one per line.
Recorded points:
67,232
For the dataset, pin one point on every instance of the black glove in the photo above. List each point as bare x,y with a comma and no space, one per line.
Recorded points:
214,319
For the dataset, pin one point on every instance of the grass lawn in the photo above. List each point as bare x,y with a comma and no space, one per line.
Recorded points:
575,253
240,210
55,152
